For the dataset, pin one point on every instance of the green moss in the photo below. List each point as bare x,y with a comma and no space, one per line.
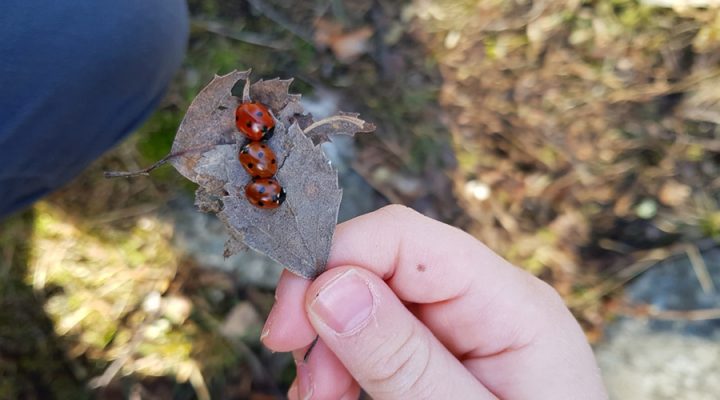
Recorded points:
633,14
710,225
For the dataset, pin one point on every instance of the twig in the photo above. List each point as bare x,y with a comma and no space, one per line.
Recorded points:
648,311
621,277
112,370
246,37
651,259
198,383
257,367
146,171
681,3
273,15
643,92
700,268
689,315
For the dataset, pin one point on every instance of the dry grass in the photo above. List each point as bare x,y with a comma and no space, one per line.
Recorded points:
586,132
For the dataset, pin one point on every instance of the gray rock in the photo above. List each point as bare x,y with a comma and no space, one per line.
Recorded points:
666,359
202,237
640,363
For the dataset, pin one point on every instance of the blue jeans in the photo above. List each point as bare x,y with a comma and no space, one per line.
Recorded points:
75,78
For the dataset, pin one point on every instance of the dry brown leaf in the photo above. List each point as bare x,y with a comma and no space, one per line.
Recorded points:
346,46
673,193
297,234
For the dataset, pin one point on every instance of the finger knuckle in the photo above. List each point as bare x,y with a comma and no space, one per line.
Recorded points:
398,370
549,294
550,304
398,211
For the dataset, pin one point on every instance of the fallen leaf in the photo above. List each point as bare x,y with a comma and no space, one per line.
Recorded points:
673,193
346,46
297,234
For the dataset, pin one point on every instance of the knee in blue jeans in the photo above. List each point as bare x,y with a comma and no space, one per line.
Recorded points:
78,76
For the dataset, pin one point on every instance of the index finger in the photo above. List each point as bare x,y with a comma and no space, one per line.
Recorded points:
448,273
414,253
457,284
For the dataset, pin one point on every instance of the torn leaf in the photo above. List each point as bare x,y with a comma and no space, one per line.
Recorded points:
298,233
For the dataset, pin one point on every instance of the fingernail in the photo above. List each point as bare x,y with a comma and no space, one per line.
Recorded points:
305,387
265,332
345,303
268,324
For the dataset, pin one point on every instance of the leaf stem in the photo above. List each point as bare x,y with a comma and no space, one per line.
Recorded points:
160,162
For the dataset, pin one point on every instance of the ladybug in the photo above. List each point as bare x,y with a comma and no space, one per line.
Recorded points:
258,159
265,193
254,121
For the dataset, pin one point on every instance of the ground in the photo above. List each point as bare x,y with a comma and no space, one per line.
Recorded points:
578,139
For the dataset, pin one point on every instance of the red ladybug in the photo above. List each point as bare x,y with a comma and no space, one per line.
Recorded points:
265,193
258,159
254,121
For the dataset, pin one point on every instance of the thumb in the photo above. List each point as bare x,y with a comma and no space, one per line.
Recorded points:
385,348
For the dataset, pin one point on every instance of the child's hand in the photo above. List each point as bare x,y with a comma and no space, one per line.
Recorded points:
411,308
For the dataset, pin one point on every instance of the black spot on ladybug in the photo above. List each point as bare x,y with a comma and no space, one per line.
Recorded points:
272,161
261,154
248,124
250,165
263,146
260,203
259,113
237,118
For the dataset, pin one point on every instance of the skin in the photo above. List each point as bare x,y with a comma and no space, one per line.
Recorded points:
410,308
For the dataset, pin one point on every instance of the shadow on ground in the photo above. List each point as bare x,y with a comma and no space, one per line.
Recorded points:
33,362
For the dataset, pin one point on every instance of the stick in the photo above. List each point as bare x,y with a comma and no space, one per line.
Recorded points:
146,171
274,16
700,269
